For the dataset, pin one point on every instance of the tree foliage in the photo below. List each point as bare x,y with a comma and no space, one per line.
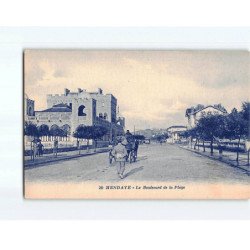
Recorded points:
43,130
56,131
98,132
139,137
30,129
246,116
234,125
161,137
90,132
83,132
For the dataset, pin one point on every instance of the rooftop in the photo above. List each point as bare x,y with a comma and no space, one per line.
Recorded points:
199,107
177,126
58,108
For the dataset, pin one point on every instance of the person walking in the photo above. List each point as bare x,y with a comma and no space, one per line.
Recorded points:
136,147
36,149
128,142
32,151
120,154
128,134
40,149
55,148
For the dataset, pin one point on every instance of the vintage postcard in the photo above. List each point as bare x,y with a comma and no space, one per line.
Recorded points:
136,124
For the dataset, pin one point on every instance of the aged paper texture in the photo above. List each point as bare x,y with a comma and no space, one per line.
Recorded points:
136,124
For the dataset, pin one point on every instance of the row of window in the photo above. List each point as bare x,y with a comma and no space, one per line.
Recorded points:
103,116
82,113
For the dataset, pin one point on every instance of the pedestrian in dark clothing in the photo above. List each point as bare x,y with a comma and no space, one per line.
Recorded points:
55,148
136,147
40,149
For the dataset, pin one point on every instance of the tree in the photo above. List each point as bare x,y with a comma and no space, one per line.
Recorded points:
236,127
43,130
161,137
211,126
83,132
97,133
191,133
201,135
55,131
30,129
246,116
66,129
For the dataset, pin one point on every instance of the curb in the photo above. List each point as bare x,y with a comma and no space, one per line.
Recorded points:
215,159
34,164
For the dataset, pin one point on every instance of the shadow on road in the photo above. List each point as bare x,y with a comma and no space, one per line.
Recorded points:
142,158
133,171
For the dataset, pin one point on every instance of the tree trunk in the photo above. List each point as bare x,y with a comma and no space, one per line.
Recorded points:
211,147
31,151
87,145
198,145
248,157
79,146
238,148
95,145
204,148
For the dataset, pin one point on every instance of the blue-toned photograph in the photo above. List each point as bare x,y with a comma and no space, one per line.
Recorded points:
136,124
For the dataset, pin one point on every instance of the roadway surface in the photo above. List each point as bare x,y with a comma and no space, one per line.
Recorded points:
155,163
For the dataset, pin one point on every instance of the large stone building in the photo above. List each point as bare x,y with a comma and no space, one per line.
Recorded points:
195,113
71,109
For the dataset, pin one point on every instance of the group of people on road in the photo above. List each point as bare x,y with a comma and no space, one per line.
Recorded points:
123,149
37,149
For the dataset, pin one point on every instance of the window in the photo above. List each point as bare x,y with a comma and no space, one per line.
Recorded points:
80,111
105,116
30,111
101,116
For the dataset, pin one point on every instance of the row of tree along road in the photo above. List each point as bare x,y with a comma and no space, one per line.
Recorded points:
82,132
222,128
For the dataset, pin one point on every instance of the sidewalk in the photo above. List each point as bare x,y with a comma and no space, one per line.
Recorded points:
226,157
48,158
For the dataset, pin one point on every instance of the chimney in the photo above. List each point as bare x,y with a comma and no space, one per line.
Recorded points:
100,91
79,90
66,91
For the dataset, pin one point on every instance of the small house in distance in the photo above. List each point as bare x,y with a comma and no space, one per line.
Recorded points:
195,113
174,133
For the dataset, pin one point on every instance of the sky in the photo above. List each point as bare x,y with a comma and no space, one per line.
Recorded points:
153,87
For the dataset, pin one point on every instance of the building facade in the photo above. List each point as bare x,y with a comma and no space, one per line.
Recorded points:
174,133
71,109
195,113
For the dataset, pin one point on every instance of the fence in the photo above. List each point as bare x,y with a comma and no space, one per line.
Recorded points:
63,148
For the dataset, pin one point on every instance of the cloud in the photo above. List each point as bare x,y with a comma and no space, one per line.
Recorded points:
59,73
153,88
